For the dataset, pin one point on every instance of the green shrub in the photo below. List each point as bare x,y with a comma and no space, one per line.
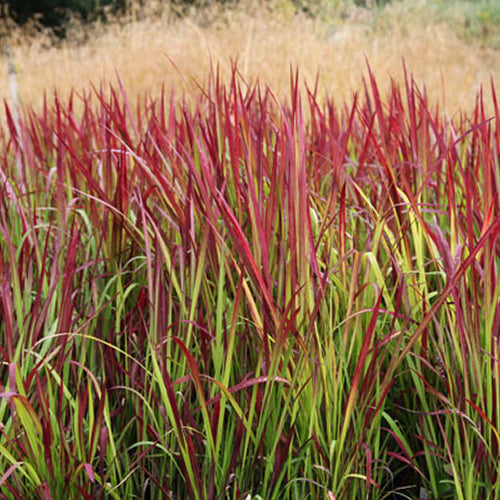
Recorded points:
54,12
473,20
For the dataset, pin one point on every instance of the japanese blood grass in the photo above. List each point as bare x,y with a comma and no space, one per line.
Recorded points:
249,298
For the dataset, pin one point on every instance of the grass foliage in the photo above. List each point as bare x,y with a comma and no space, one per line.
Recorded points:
249,297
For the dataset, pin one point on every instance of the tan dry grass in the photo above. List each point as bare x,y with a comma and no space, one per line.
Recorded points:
265,46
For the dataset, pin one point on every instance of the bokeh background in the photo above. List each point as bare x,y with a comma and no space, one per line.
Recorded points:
452,47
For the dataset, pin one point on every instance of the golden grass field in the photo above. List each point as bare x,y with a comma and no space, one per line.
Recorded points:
158,51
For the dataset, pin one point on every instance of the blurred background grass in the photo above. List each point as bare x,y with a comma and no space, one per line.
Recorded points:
453,47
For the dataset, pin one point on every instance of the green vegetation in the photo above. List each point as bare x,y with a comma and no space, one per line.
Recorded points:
476,21
247,298
55,13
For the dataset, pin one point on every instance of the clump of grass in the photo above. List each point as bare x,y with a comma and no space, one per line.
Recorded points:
244,295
